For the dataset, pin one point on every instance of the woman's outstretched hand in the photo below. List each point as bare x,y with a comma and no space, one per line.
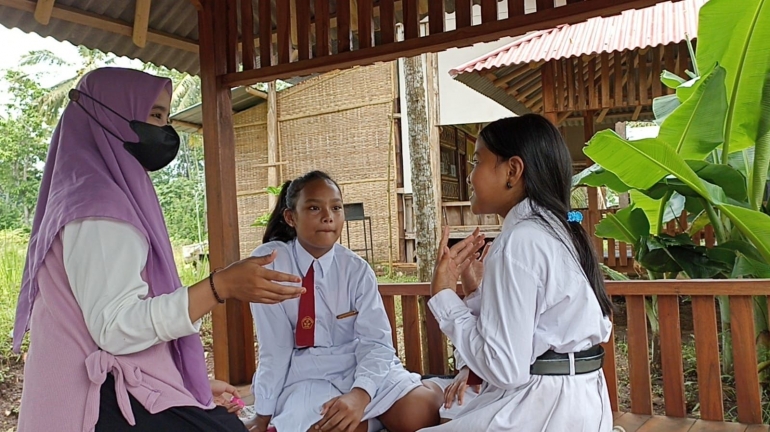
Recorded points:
249,281
246,280
452,262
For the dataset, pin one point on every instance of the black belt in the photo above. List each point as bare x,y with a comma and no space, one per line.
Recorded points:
553,363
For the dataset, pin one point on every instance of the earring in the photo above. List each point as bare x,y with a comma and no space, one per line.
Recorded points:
508,185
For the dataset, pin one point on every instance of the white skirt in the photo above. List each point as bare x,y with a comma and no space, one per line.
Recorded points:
299,405
578,403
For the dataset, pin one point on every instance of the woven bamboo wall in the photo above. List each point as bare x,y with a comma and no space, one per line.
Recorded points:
338,123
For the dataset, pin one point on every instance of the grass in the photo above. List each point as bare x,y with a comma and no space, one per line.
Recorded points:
13,248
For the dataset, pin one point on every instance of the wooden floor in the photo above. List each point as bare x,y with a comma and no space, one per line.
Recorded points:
635,422
644,423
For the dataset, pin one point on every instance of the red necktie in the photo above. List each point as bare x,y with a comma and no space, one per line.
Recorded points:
305,333
473,379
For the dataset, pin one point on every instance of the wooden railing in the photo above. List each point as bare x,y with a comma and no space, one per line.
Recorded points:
620,255
703,296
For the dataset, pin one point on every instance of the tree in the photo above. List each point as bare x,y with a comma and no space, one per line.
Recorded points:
422,175
53,101
23,145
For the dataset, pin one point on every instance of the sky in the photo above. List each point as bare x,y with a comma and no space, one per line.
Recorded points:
15,43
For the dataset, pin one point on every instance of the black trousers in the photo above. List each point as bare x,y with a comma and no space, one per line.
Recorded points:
179,419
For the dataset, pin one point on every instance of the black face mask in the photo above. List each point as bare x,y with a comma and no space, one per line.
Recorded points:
157,145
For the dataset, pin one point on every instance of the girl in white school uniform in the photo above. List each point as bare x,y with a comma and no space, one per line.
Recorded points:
530,328
326,360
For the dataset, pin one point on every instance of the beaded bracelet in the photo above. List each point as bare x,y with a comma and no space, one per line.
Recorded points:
214,290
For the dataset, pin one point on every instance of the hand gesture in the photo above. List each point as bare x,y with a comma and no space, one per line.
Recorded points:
249,281
471,276
456,390
452,262
221,390
343,413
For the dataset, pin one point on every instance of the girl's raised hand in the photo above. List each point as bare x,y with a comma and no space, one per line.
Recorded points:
471,276
249,281
453,261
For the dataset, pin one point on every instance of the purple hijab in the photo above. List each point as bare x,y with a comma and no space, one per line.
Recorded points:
89,174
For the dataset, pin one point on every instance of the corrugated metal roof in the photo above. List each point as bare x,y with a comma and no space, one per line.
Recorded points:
175,18
662,24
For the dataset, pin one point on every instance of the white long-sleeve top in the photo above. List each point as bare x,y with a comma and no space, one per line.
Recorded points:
356,351
535,297
104,260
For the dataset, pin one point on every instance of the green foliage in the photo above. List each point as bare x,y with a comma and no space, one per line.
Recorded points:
262,220
13,250
711,155
23,144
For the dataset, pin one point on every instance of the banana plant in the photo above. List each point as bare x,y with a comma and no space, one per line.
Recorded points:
711,157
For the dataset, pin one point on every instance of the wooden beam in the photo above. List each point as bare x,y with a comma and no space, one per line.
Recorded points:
503,81
197,128
343,26
254,92
547,85
364,15
283,24
141,22
233,334
637,111
387,21
321,20
602,114
563,116
463,13
303,29
272,140
43,10
248,56
100,22
517,25
436,17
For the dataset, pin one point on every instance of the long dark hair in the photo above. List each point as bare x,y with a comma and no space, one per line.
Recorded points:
277,229
548,182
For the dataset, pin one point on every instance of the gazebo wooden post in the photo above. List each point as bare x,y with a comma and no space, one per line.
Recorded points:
233,332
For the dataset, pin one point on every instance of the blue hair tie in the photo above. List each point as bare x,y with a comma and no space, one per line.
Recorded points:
574,216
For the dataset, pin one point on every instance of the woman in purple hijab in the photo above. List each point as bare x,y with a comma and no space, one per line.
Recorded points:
114,342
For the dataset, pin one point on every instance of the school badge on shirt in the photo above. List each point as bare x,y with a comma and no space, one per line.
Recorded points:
307,323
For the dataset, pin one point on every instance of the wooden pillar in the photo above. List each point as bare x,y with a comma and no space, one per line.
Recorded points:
593,194
549,98
435,359
234,356
272,141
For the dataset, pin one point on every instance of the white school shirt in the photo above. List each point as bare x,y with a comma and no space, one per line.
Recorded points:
104,259
534,297
356,351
